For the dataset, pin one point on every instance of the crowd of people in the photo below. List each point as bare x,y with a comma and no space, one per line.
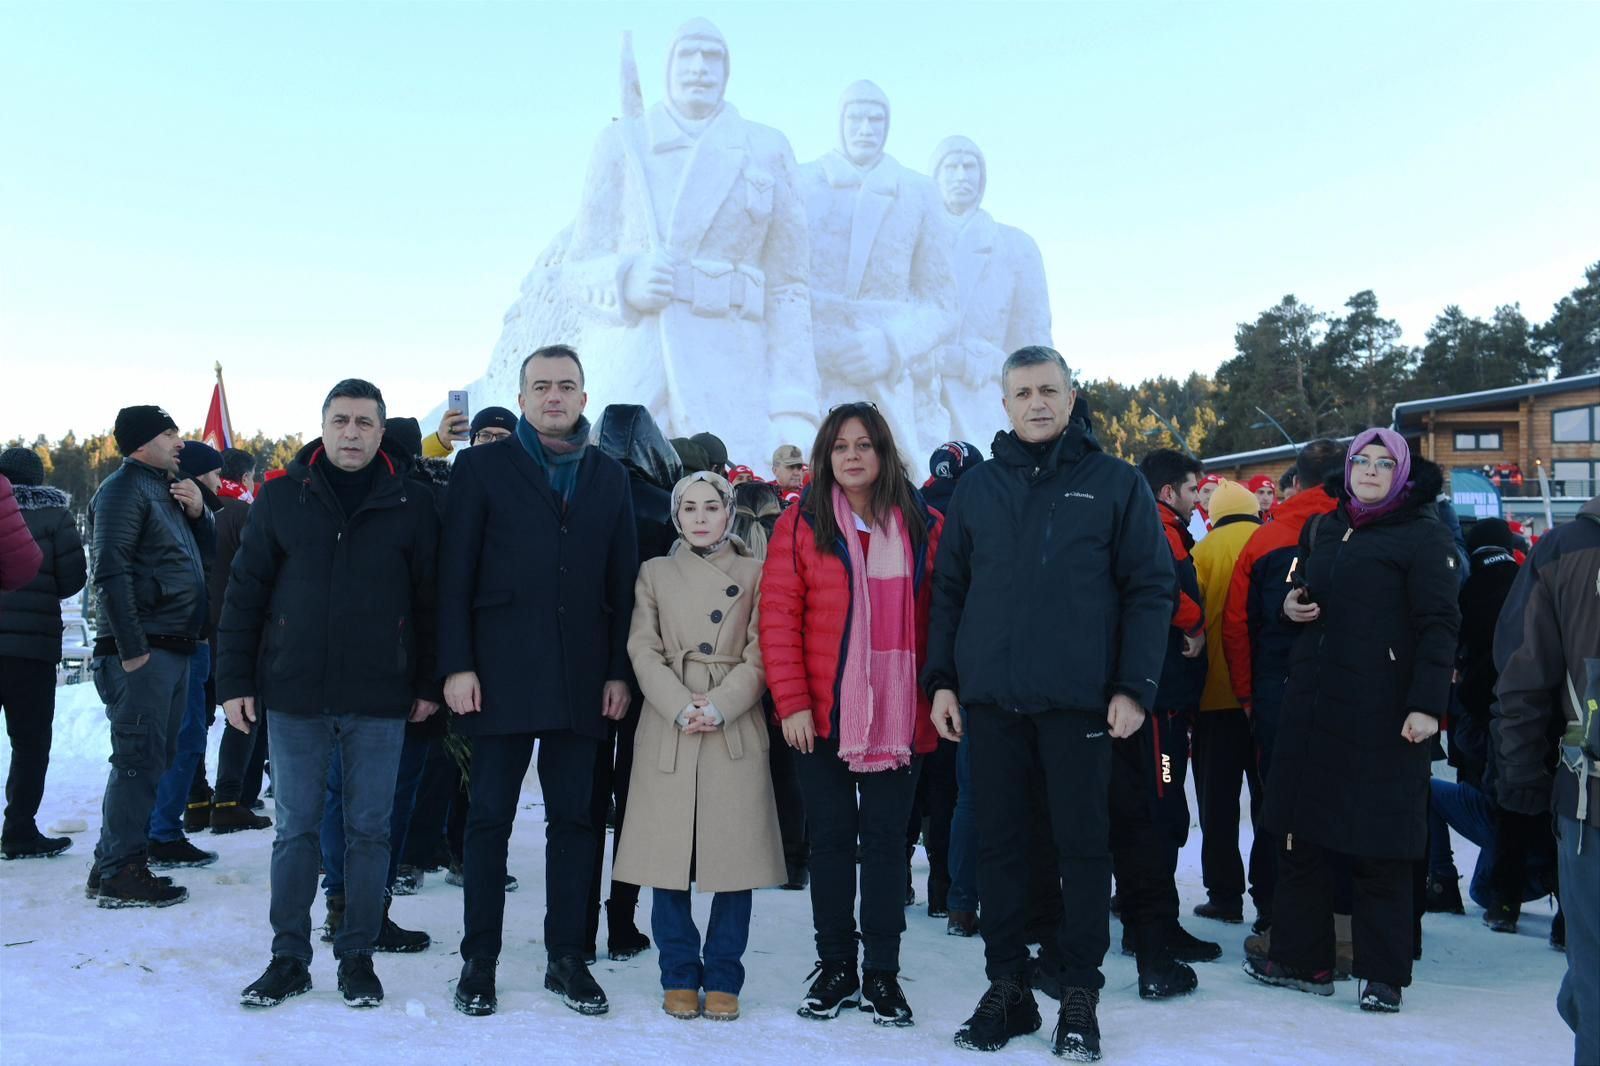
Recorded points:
793,683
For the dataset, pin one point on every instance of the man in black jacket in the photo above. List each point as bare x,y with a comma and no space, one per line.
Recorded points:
329,621
30,647
1051,528
536,589
150,609
1547,646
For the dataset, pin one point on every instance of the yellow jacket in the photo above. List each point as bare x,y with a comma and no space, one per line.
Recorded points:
1234,510
434,448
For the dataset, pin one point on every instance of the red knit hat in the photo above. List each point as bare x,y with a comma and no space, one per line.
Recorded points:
1262,481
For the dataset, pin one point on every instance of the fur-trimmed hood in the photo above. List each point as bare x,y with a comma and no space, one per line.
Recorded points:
39,497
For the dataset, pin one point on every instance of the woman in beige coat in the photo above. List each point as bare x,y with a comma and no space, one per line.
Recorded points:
700,799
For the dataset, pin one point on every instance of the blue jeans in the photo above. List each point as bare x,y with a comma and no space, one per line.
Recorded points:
678,940
302,748
172,794
1458,806
964,837
413,756
1578,1002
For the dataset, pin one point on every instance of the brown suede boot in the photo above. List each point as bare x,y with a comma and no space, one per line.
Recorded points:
722,1006
681,1003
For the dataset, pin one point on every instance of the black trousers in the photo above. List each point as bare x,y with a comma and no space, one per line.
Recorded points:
240,758
1149,824
613,768
28,697
1225,756
441,778
1381,912
566,777
786,790
1071,751
841,808
1516,838
935,805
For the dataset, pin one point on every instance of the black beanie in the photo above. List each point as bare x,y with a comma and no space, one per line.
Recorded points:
1487,532
198,458
22,465
403,437
138,426
494,417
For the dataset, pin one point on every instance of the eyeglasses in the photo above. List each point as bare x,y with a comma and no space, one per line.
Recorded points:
489,436
853,405
1361,462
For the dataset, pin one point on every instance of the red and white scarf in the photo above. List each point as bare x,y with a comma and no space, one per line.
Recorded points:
878,683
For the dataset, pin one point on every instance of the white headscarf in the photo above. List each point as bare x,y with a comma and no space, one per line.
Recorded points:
724,490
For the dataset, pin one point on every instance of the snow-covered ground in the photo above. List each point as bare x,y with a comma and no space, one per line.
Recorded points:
84,985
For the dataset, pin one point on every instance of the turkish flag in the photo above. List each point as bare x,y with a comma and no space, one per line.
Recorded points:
219,429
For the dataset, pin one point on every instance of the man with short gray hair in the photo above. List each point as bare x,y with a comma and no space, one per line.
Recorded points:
1050,527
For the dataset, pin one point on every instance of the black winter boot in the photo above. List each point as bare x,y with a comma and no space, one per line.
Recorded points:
475,989
836,987
882,998
285,977
1077,1035
569,978
358,982
623,939
395,940
1008,1009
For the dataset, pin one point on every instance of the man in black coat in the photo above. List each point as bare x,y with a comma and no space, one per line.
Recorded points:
536,582
1050,528
329,621
150,609
30,647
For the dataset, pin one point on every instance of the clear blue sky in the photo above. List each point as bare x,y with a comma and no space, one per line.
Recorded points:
310,191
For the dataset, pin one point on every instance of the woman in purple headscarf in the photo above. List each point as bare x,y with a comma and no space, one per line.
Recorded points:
1374,591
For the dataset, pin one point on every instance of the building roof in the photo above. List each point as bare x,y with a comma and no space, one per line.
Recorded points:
1262,455
1490,397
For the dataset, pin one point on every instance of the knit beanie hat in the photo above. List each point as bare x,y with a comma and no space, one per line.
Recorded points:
138,426
494,418
22,465
198,458
1232,498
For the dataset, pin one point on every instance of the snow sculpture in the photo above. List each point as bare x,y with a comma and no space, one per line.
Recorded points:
883,294
1005,304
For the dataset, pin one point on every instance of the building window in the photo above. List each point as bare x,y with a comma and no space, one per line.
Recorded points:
1575,424
1569,477
1477,440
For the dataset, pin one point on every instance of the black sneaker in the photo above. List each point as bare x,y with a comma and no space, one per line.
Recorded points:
1318,983
91,888
407,881
1500,918
475,989
882,998
1008,1009
135,886
570,979
1379,998
1186,947
395,940
1443,896
1230,911
359,985
285,977
1077,1035
835,988
1166,978
167,854
38,846
233,817
623,939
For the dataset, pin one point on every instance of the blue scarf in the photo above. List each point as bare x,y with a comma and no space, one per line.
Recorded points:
558,457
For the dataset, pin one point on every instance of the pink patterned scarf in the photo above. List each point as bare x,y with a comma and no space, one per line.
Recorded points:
878,686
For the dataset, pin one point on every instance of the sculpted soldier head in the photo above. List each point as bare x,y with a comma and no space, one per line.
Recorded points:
863,123
697,69
959,170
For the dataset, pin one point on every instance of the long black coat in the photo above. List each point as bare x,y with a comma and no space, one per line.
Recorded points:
1342,776
340,610
30,617
536,601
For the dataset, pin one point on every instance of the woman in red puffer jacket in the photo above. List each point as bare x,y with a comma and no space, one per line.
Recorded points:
845,593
